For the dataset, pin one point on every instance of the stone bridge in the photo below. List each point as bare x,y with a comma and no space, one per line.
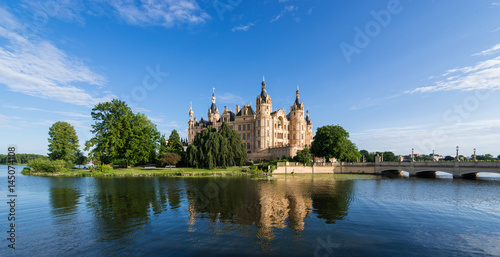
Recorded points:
429,169
419,169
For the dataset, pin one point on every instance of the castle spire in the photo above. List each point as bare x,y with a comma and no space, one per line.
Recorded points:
297,98
263,93
190,110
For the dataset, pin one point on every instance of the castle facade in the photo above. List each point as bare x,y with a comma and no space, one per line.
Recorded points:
266,134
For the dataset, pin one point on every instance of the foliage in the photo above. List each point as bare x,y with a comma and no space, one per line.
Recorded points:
119,134
47,165
102,168
370,156
174,143
80,158
304,156
63,142
170,159
485,157
21,158
333,142
212,149
163,148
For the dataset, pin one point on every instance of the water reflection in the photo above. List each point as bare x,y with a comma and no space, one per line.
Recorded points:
123,205
268,205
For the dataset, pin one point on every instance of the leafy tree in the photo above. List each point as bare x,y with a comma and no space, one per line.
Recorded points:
170,159
333,142
63,142
498,157
21,158
174,143
80,158
119,134
212,149
449,158
390,157
304,156
163,148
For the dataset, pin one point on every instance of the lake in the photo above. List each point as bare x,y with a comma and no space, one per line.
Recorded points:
301,215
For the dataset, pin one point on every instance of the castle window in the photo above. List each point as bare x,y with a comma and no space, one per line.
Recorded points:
248,135
302,136
248,145
302,127
258,132
248,126
293,136
258,143
239,127
244,127
231,127
267,134
258,123
268,123
244,136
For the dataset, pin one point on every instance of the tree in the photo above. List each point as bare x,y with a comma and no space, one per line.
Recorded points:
170,159
304,156
163,148
63,142
212,149
498,157
80,158
174,143
333,142
121,135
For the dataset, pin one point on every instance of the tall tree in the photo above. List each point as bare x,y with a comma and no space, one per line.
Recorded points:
212,149
63,142
174,143
163,148
333,142
121,135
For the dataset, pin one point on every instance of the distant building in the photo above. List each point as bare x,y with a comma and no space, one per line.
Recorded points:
266,134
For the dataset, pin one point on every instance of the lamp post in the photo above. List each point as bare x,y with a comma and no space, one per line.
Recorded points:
475,155
457,155
433,159
412,156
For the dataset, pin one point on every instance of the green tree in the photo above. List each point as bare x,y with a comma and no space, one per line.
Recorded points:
163,148
212,149
174,143
498,157
63,142
80,158
121,135
304,156
333,142
390,157
170,159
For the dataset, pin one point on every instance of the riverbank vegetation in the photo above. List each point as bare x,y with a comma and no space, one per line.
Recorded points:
21,158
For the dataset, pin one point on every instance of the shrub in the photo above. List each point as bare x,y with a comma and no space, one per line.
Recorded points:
102,168
46,165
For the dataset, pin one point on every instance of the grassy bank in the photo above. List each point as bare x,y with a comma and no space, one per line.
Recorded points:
141,172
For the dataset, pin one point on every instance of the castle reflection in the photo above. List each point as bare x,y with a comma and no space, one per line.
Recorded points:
268,205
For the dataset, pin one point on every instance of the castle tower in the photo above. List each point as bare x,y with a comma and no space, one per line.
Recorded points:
213,111
298,124
191,122
263,119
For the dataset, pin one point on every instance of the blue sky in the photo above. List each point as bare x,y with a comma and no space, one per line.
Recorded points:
396,74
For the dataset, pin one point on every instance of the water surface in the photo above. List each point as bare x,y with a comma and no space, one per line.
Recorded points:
303,215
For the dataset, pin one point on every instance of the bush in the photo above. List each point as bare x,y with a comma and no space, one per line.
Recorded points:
102,168
46,165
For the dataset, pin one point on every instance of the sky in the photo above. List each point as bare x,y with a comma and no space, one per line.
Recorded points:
395,74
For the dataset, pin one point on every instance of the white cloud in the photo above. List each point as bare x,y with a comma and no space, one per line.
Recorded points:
243,27
69,114
160,12
229,98
287,9
38,68
490,51
484,75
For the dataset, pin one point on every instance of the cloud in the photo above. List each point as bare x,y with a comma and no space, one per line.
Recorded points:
69,114
37,68
287,9
490,51
243,27
433,136
228,98
165,13
485,75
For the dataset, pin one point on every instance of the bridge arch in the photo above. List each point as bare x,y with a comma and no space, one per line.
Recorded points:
392,173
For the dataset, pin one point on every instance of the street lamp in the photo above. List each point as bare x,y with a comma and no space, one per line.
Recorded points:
474,154
412,155
457,155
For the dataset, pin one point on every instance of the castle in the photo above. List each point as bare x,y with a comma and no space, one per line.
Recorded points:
266,134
